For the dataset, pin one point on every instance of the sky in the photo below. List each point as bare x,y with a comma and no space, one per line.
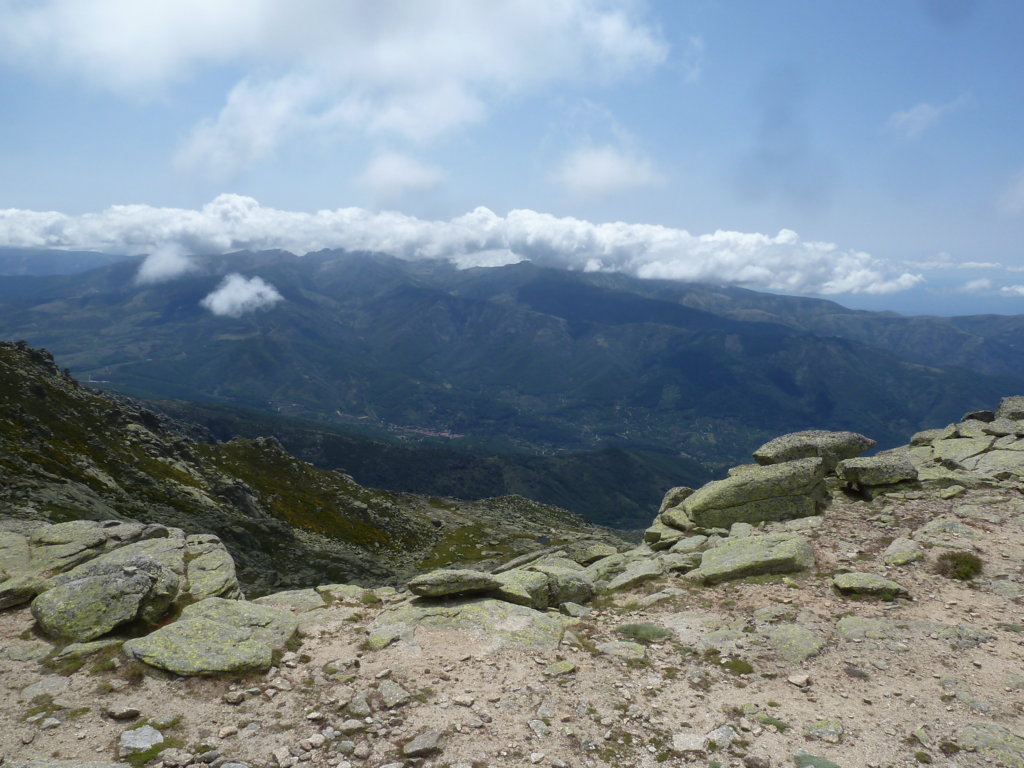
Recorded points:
870,152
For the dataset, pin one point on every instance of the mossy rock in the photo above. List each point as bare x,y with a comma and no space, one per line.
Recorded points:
754,556
870,584
214,636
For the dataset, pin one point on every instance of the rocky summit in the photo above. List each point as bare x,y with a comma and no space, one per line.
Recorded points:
817,608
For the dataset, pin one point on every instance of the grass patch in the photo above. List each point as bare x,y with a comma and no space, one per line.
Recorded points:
643,633
765,719
730,665
962,566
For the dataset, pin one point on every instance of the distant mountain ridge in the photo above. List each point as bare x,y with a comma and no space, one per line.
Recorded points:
519,358
48,261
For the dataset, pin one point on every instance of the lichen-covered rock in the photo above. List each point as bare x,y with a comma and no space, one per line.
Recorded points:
676,517
601,571
590,553
216,635
1004,428
662,536
568,582
56,548
884,469
794,643
1000,464
902,551
689,544
296,600
958,450
929,436
829,446
491,624
46,556
993,741
1011,408
856,583
825,730
622,649
637,574
20,589
674,497
165,559
109,595
945,531
756,555
445,582
210,569
772,492
138,740
523,587
424,744
680,561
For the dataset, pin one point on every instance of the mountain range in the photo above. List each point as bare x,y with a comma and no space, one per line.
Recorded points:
491,370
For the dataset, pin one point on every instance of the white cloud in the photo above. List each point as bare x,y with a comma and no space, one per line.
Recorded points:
919,118
1012,290
390,174
981,285
782,262
940,260
1011,199
979,265
405,68
237,295
592,172
166,262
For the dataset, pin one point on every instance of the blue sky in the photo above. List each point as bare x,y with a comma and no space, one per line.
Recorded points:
869,151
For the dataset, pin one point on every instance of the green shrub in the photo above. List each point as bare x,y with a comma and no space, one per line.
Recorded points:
958,565
643,633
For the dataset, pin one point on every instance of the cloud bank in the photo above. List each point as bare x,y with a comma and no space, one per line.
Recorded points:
782,262
238,295
393,68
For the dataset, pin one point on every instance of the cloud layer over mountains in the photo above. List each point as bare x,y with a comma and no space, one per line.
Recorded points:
782,262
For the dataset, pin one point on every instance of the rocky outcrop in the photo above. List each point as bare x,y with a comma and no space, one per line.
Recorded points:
972,453
755,556
888,469
830,447
215,636
760,493
87,578
452,582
